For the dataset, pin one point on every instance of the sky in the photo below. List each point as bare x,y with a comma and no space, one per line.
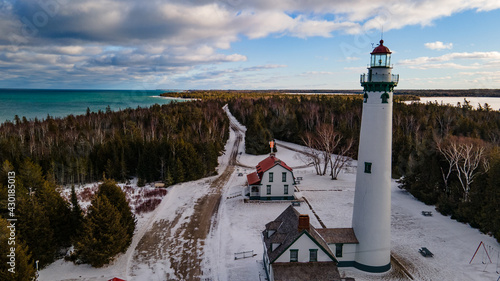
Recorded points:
246,44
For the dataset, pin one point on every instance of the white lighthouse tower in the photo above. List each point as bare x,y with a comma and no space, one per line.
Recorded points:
372,200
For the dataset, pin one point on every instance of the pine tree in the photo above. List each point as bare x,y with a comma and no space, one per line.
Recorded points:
117,198
169,180
24,269
179,171
58,212
103,235
35,230
76,213
30,175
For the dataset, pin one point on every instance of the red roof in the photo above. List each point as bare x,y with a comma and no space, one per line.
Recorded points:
270,162
264,165
116,279
253,178
381,49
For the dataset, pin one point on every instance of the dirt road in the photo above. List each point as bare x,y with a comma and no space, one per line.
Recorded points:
182,239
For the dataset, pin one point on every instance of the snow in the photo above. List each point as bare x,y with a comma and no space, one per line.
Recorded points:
474,101
237,227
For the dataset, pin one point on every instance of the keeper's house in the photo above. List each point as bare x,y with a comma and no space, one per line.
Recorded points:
296,250
273,180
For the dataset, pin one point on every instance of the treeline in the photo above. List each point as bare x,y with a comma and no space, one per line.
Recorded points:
173,143
451,93
289,118
398,94
447,156
39,226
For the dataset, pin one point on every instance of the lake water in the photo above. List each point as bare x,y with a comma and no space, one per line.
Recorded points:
474,101
60,103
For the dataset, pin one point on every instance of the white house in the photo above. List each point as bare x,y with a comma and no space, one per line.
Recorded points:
273,180
296,250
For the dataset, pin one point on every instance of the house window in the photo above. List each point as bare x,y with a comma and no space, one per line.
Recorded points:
283,177
294,255
271,177
313,254
268,190
286,189
368,167
338,250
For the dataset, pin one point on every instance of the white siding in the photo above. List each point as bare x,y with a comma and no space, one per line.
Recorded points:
277,185
303,244
348,252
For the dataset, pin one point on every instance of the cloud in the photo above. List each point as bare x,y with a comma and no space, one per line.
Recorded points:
438,45
475,59
105,39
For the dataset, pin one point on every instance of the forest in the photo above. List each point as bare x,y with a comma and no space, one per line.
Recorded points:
170,143
443,155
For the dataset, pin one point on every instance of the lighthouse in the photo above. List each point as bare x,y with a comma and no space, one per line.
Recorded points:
371,220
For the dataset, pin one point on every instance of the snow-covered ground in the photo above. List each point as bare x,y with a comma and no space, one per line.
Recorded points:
474,101
237,228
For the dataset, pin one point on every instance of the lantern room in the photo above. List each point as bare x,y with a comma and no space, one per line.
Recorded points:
381,56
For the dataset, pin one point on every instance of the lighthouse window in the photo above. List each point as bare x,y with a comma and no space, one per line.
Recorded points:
385,97
365,96
368,167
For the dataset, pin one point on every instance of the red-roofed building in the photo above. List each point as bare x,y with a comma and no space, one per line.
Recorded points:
273,180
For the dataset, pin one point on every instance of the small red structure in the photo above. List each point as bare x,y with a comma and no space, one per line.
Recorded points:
116,279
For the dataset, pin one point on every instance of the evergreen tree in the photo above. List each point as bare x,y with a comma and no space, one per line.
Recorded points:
179,171
76,213
257,136
58,212
24,269
169,180
30,175
35,230
117,198
103,235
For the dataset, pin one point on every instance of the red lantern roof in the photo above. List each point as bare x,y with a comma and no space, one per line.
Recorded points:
381,49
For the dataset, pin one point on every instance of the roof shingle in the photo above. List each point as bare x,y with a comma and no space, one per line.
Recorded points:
338,235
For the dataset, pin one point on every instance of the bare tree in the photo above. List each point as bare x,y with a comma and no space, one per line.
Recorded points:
466,155
445,121
328,140
312,155
338,162
451,158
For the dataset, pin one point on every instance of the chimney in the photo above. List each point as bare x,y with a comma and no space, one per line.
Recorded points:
303,222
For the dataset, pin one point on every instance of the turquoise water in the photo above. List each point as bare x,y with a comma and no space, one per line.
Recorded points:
60,103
